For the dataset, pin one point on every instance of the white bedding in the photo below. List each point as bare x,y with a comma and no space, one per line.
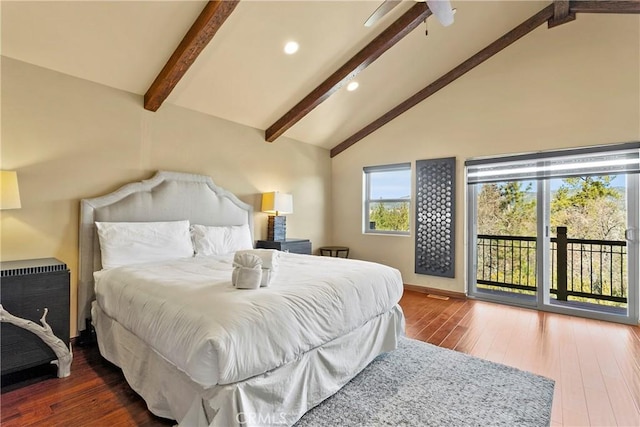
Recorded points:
189,313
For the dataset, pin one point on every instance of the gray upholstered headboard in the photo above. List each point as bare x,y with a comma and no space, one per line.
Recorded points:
168,196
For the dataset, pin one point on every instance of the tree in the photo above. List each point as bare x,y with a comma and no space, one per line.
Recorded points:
390,216
589,207
519,213
506,209
488,208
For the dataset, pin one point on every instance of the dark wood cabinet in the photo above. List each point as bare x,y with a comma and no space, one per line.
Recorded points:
26,288
297,246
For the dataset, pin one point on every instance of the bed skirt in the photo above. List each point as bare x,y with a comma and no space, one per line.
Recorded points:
278,397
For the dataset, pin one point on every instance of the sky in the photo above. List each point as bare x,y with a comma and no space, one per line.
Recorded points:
390,185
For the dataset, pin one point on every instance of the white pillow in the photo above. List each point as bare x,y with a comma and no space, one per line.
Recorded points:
212,240
125,243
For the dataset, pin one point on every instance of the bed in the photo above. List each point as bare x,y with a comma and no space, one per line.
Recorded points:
203,353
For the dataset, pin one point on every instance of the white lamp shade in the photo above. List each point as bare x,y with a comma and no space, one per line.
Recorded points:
277,203
9,192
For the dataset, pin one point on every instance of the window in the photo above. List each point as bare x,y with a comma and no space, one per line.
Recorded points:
557,230
387,198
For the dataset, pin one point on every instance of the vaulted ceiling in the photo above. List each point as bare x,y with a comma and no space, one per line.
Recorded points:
243,75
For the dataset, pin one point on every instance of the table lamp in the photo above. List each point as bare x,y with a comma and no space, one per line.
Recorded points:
276,203
9,191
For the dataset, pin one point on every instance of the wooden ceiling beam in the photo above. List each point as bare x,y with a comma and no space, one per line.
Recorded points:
389,37
605,6
506,40
561,13
560,9
214,14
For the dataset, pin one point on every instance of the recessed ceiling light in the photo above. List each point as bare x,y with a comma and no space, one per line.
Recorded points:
291,47
352,86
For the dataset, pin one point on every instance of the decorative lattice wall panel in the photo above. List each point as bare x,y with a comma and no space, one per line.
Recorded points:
435,216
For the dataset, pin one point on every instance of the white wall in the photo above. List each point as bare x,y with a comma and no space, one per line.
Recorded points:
571,86
70,139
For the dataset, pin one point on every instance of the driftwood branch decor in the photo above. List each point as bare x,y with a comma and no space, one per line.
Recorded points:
44,332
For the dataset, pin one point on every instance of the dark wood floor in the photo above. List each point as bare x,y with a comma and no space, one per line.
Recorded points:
596,366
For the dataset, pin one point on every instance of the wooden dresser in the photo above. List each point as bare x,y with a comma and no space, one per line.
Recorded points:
26,288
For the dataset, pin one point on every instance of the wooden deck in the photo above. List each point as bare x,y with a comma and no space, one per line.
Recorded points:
596,366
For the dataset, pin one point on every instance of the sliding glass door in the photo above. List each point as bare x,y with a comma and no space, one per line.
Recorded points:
589,216
557,231
505,241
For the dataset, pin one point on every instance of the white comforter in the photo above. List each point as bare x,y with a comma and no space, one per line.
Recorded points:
188,311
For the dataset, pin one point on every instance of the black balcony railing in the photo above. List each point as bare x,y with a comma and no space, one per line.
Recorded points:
580,268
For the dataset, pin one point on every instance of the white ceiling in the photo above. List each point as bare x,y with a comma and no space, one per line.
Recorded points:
243,75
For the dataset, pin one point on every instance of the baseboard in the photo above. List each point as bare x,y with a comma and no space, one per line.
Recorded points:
434,291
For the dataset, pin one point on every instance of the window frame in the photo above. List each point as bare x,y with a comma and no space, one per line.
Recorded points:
366,171
539,169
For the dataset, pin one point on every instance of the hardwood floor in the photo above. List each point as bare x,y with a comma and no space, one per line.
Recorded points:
596,366
95,394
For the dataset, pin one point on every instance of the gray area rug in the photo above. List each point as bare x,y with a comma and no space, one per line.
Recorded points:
423,385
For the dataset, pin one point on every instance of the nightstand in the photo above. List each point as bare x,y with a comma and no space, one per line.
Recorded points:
26,288
296,246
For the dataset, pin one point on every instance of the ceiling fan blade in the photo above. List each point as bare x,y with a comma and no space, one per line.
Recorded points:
382,10
442,10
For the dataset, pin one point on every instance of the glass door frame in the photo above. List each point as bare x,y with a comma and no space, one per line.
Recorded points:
543,254
472,260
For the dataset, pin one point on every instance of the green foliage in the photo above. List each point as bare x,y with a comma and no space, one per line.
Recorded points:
506,209
390,216
582,191
590,208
